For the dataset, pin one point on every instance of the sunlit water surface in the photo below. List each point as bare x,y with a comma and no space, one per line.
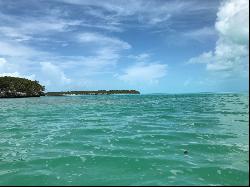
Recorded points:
125,140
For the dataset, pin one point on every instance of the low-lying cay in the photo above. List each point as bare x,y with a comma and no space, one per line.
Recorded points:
99,92
15,87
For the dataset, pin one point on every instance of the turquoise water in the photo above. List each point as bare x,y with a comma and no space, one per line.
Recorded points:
125,140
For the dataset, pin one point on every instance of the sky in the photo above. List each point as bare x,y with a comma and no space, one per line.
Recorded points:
154,46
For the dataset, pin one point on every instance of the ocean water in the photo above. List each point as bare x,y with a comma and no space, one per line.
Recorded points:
125,140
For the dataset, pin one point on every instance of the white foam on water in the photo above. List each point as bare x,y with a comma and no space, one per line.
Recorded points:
7,171
175,172
172,177
219,172
83,159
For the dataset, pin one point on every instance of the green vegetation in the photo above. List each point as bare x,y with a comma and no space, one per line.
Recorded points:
19,87
12,87
99,92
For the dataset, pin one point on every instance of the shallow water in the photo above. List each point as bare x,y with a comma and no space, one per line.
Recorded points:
125,140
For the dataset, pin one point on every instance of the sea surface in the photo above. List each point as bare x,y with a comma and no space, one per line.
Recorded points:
125,140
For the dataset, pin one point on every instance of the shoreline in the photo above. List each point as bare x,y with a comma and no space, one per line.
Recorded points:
98,92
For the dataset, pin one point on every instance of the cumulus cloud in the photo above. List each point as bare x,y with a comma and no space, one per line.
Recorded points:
7,69
2,62
232,48
52,74
3,65
144,73
204,58
143,70
233,21
26,28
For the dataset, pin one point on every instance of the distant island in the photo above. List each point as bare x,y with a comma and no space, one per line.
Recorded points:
99,92
15,87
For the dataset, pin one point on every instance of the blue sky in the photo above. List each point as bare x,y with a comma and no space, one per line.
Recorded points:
155,46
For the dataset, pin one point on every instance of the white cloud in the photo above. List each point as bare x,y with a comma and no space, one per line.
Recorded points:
232,48
52,74
16,74
233,21
14,33
5,66
201,34
47,25
2,61
7,69
27,28
103,40
156,19
149,13
144,73
103,26
107,49
143,57
14,49
204,58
